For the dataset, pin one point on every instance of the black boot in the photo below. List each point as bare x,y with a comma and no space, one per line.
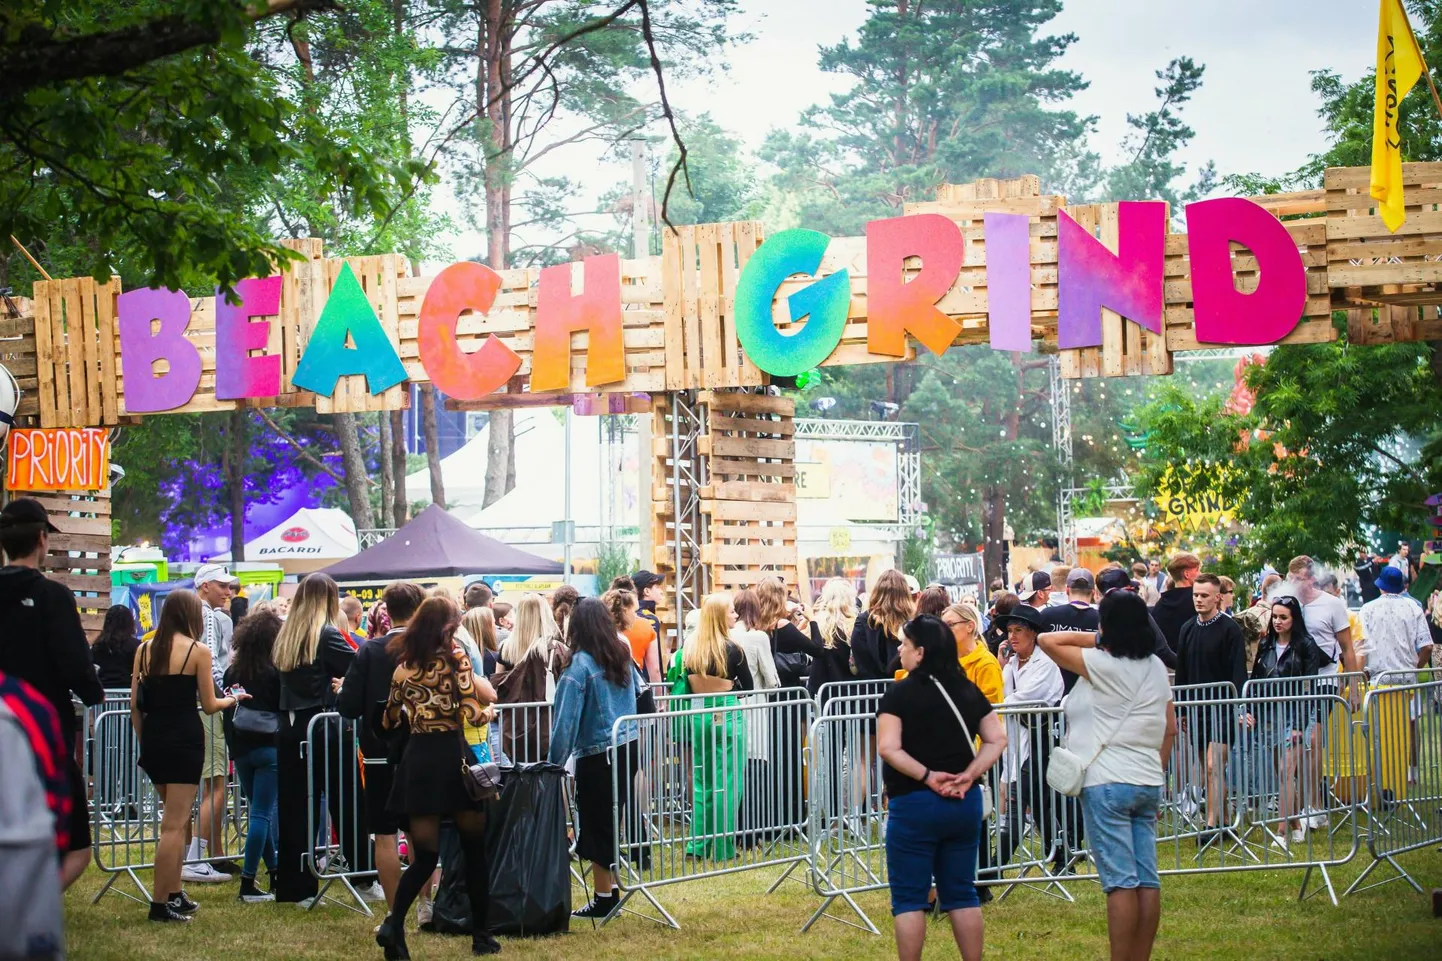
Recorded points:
162,911
484,943
391,936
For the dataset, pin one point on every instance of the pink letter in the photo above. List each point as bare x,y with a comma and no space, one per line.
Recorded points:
1008,281
1090,277
237,374
145,391
1225,315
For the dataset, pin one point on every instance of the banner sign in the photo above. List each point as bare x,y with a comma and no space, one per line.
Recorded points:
350,338
68,459
963,576
1194,511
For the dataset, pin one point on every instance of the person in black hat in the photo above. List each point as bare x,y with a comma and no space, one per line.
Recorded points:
1032,678
1116,579
649,590
43,644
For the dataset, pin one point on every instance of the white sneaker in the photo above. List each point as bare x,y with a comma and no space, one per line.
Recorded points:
425,909
371,892
1316,819
1281,841
1299,836
202,873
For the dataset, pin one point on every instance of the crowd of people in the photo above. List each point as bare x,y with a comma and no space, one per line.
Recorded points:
420,674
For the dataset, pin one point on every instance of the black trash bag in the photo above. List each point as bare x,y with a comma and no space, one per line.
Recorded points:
529,855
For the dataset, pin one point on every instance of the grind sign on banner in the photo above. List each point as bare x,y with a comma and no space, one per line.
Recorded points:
70,459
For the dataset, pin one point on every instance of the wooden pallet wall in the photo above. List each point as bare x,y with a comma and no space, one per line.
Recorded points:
17,355
1367,263
701,266
750,498
79,556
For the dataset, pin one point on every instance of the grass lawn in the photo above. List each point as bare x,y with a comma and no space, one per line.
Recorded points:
1251,916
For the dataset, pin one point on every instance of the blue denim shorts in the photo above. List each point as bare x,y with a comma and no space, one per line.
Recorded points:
933,838
1121,831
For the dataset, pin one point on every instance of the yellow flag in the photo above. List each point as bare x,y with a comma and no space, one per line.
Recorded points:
1399,65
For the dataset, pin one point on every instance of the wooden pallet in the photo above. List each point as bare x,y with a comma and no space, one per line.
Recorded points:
750,495
76,345
1127,349
79,556
17,355
701,266
1367,263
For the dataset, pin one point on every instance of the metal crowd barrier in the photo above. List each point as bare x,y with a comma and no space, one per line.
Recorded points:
335,815
1404,774
740,760
127,810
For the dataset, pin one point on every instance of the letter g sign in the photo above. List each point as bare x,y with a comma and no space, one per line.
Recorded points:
824,303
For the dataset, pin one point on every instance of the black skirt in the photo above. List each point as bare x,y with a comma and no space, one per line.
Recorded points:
428,779
172,747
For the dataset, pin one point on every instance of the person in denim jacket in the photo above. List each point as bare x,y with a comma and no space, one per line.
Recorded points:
597,688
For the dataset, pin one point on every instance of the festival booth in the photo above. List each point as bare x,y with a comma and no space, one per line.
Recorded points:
310,539
435,549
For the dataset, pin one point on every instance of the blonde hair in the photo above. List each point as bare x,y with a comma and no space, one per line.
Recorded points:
836,610
967,612
771,595
480,623
705,651
315,605
534,623
890,604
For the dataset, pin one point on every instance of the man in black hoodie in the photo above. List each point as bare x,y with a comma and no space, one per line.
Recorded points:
362,697
1175,607
43,644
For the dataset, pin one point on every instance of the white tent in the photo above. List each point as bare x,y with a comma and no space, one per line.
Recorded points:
308,540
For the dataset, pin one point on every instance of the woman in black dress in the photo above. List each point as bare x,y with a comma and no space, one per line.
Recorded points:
312,655
432,690
876,638
163,693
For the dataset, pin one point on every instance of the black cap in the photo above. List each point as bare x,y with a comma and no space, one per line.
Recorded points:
1023,614
1114,578
1034,583
645,579
23,511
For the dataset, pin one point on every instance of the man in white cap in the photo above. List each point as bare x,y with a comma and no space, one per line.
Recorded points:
1035,589
216,586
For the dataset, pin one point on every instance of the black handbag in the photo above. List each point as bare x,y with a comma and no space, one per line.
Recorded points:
253,721
645,697
482,779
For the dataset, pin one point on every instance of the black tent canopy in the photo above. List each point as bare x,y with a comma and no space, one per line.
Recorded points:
435,544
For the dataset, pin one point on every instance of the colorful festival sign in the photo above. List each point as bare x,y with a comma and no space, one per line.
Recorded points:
68,459
912,263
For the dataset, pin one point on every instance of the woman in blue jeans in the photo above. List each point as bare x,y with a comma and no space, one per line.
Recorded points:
253,741
926,730
1121,724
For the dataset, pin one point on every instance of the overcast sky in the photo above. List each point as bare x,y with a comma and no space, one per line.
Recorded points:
1255,111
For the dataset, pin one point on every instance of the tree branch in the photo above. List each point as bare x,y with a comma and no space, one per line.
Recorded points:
303,450
27,64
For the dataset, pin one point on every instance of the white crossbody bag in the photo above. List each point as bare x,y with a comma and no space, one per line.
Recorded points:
1065,773
986,804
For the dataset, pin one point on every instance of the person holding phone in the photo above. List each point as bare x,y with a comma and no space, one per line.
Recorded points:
171,671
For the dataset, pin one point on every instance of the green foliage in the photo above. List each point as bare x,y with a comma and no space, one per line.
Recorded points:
943,91
917,554
1154,141
1342,442
613,560
137,172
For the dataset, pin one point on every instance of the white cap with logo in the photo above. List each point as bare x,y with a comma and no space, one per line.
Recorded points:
214,572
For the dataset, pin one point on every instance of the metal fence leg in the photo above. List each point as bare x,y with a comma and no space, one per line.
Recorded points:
865,924
1302,895
115,876
664,920
1401,875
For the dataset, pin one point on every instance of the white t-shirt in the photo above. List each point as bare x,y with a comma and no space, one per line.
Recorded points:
1326,617
1127,696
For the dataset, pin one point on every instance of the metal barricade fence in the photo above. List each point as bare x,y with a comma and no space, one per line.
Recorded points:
1404,773
128,812
340,844
739,758
1022,841
858,688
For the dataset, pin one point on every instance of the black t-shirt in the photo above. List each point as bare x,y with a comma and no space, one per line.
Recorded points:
929,731
1071,616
